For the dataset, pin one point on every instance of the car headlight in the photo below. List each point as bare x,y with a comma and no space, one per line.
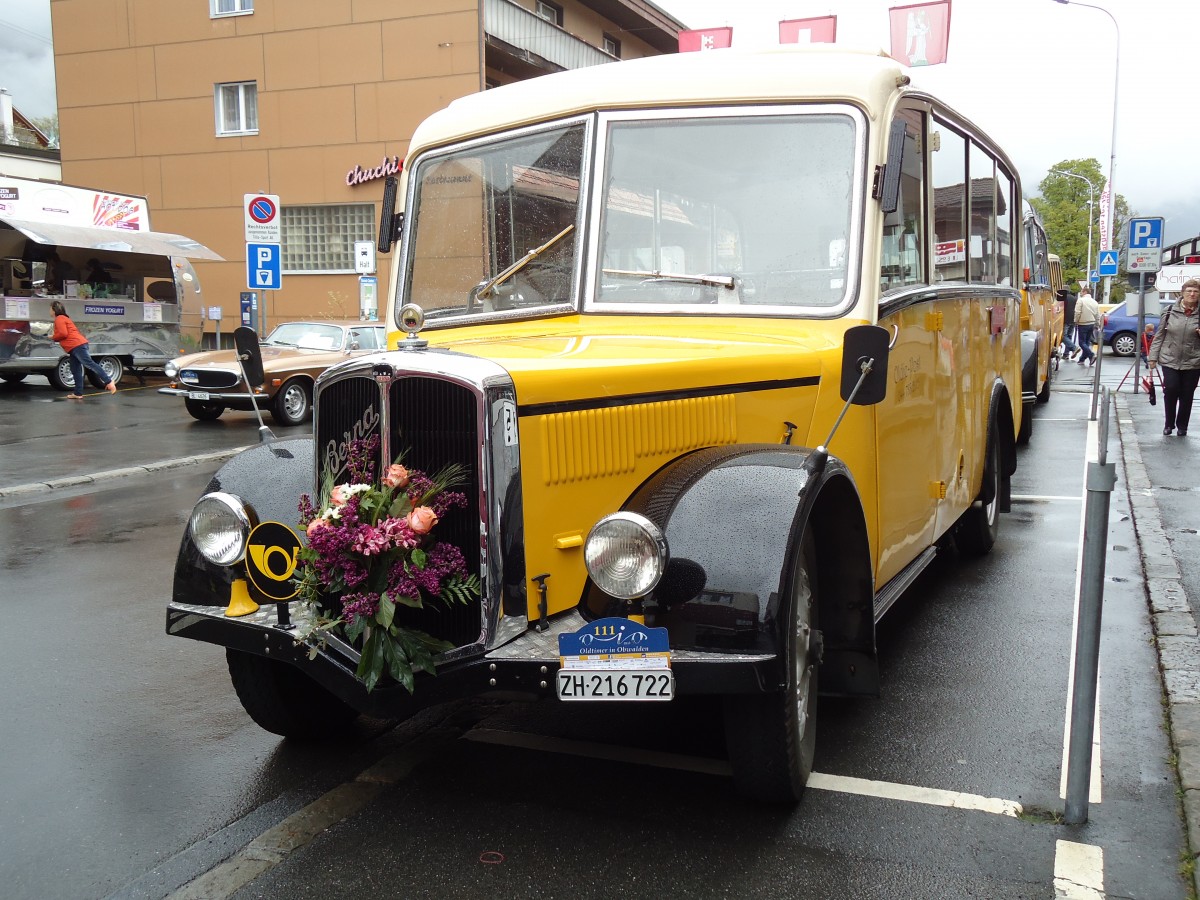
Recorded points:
219,527
170,369
625,554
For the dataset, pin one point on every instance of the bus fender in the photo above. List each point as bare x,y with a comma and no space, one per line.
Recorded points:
1002,428
731,517
1030,345
268,479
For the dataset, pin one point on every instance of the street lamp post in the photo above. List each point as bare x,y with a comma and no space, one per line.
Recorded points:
1087,269
1112,161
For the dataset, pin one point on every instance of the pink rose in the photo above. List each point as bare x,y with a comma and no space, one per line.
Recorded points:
314,526
339,495
396,476
422,519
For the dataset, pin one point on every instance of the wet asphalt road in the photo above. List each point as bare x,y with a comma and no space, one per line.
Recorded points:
129,768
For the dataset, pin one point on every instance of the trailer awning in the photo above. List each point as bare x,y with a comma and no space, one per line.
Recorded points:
155,243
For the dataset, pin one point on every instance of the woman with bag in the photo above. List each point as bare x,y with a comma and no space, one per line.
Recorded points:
75,345
1176,347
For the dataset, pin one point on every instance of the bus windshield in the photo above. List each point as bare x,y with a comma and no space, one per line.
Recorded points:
738,210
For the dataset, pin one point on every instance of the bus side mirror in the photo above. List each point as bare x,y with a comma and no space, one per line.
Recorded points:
245,342
864,344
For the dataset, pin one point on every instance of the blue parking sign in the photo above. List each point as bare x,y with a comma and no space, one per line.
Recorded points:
263,267
1145,234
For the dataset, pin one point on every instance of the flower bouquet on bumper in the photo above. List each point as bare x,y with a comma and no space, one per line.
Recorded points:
371,548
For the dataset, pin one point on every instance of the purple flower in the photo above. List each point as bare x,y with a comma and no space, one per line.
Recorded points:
363,605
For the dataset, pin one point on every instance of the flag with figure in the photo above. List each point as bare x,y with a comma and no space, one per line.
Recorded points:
920,33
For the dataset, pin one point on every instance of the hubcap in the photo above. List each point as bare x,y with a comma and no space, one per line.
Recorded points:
294,402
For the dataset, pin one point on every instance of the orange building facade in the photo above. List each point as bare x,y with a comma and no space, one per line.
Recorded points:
196,104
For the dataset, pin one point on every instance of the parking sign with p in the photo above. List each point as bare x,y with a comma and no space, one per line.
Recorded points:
1145,245
263,267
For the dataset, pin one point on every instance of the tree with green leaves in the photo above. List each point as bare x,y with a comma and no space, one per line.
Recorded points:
1065,212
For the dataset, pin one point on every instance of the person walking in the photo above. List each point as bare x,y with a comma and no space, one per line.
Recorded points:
75,345
1176,348
1069,347
1087,315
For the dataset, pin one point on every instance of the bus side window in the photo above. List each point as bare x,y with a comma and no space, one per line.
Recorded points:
903,260
983,216
1005,217
949,204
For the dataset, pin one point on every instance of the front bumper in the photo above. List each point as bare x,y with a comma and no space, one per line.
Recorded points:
225,398
526,665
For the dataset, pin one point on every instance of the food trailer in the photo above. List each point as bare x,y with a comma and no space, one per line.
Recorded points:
123,284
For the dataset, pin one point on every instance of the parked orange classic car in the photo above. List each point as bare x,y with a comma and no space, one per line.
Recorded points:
294,354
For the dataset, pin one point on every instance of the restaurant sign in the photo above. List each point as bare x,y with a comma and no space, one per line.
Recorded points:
389,166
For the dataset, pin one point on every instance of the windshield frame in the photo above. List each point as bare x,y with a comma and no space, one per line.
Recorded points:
857,212
438,318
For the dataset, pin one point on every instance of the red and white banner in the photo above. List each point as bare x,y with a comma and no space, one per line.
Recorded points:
705,39
816,30
1105,216
920,33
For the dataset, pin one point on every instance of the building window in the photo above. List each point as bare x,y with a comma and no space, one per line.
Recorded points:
320,239
612,46
230,7
237,108
551,12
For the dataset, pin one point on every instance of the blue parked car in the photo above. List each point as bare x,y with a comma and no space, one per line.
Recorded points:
1120,328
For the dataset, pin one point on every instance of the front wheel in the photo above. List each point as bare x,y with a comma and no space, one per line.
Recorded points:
772,738
292,404
283,700
203,412
980,525
1124,343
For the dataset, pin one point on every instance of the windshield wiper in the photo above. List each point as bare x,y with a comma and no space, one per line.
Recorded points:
487,287
729,282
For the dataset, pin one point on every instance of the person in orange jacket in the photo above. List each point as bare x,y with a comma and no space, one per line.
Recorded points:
75,345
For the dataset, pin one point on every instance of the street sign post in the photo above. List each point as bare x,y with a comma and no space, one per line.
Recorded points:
263,267
1107,264
262,219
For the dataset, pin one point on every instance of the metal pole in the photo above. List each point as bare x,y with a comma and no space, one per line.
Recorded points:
1141,330
1101,478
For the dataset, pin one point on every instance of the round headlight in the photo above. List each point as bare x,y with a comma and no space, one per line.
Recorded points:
625,554
170,369
219,528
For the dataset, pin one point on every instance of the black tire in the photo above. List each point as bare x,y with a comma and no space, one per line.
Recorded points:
772,738
13,377
283,700
112,367
1124,343
979,526
293,404
1026,430
203,411
61,377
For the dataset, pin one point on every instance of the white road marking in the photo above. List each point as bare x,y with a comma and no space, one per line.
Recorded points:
1078,871
1045,498
913,794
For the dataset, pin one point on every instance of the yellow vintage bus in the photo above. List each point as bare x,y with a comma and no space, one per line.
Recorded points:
729,347
1041,318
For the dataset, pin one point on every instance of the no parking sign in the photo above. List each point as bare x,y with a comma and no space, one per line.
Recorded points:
262,218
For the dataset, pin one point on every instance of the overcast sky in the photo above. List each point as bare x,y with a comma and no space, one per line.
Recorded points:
1035,74
1038,77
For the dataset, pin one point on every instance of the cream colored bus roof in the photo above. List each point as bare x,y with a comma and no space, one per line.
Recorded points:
795,72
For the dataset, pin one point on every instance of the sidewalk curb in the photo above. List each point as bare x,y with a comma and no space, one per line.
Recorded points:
1176,636
70,481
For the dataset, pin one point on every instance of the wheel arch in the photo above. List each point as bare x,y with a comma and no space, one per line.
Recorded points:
732,517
